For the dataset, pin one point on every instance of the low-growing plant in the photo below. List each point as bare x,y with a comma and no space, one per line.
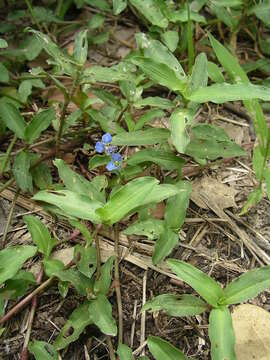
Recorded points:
217,301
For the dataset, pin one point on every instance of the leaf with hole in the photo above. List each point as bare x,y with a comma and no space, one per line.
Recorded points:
86,260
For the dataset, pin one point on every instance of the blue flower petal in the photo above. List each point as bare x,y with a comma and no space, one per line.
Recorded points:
107,138
116,157
99,147
111,166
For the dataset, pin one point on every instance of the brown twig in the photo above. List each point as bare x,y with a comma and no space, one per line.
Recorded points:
24,355
110,346
117,285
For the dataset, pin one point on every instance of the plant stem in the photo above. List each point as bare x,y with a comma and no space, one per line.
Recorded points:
4,163
19,306
110,346
9,218
190,41
29,5
97,229
24,354
265,157
67,101
117,285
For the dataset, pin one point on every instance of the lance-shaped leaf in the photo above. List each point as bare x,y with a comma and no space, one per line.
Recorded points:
39,123
142,137
177,205
199,76
76,182
152,228
86,260
11,116
101,314
162,350
164,245
128,198
21,171
75,325
40,234
207,287
247,286
103,283
220,93
72,204
179,122
221,334
165,159
12,259
176,305
80,51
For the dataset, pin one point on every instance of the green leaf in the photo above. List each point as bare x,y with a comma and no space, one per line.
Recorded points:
199,75
21,171
152,228
42,350
247,286
72,204
11,116
77,322
160,193
119,6
124,352
262,11
3,44
182,16
128,198
115,73
220,93
26,86
161,74
164,245
221,334
165,159
17,285
96,21
102,285
39,123
77,183
266,174
40,235
253,199
151,10
100,311
148,117
207,287
156,51
31,47
214,72
177,205
171,39
4,74
42,176
142,137
176,305
162,350
52,266
86,260
154,101
179,121
12,259
80,51
98,160
258,162
80,282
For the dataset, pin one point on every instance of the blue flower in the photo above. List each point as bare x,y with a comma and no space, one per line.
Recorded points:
99,147
116,157
112,166
107,138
